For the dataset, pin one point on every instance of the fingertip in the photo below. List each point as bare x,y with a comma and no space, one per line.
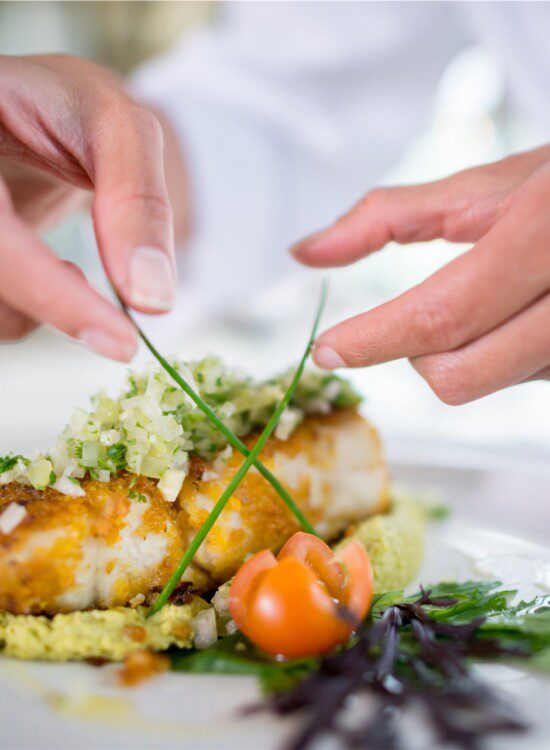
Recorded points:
327,358
323,249
333,247
107,344
308,246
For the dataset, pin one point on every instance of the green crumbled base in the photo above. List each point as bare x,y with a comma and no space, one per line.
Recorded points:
97,634
395,543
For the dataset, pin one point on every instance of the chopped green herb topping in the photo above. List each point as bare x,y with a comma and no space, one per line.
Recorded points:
153,427
9,462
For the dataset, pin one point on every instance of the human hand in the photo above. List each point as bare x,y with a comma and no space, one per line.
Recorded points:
68,128
480,323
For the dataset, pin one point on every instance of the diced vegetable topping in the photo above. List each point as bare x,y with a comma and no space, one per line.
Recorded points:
152,427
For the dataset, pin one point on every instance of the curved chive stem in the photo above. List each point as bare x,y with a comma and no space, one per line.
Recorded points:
230,436
200,536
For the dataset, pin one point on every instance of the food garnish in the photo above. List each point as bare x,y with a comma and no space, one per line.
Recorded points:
155,425
152,427
343,397
230,436
200,536
306,600
414,651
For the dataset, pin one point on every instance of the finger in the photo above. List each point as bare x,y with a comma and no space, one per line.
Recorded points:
13,325
36,284
459,208
510,354
131,210
541,375
75,269
472,294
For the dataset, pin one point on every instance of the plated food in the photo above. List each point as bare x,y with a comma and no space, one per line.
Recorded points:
155,533
91,531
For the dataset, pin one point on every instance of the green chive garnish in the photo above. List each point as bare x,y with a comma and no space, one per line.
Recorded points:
200,536
230,436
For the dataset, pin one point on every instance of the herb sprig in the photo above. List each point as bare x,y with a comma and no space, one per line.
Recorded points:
250,460
230,436
411,651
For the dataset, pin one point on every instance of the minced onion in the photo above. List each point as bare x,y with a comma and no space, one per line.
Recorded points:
205,628
153,427
11,517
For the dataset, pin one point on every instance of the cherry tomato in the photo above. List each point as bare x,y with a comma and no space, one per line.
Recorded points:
304,601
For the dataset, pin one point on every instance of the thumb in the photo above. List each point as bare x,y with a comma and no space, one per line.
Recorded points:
459,208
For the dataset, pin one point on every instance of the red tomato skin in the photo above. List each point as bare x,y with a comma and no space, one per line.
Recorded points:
289,606
314,551
293,615
245,582
358,568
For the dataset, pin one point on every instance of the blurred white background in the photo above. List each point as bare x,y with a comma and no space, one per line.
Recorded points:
470,122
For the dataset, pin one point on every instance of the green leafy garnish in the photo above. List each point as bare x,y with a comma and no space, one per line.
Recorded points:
133,494
411,651
526,624
139,496
250,459
236,655
9,461
472,599
114,458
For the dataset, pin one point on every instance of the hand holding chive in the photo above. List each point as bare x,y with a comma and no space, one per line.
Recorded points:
481,322
176,576
60,146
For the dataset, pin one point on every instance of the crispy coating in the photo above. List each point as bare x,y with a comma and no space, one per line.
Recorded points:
332,466
106,549
74,553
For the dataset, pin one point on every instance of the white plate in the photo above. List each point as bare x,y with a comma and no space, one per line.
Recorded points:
500,513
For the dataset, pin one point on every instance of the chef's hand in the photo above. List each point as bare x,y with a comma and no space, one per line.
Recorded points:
480,323
67,127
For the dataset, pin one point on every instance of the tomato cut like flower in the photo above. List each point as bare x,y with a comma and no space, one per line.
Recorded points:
306,600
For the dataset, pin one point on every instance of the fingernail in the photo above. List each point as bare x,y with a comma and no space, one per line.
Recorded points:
104,343
327,358
151,279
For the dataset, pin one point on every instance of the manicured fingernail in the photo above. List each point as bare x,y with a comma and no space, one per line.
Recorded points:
104,343
151,279
327,358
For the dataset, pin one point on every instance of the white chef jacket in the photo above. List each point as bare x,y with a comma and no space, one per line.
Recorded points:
289,111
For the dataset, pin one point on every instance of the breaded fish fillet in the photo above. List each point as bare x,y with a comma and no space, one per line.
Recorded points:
120,540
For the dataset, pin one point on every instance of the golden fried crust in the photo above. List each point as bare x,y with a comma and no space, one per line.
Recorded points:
36,567
45,555
256,518
106,548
